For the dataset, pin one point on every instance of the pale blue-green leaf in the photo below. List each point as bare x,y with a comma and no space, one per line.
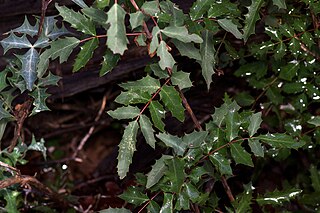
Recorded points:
134,196
314,120
278,197
315,178
256,147
167,206
222,163
151,8
232,125
251,18
199,8
38,146
117,39
255,122
157,114
187,49
175,173
230,27
61,48
174,142
158,71
127,147
125,112
207,52
42,42
280,3
115,210
51,30
146,84
183,202
40,95
85,54
181,79
279,140
27,28
154,44
29,65
136,19
240,155
195,139
96,15
80,3
13,41
110,60
77,20
182,34
147,130
132,97
166,59
172,100
157,171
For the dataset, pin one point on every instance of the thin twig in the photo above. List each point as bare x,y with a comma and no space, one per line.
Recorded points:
147,203
45,4
227,189
305,48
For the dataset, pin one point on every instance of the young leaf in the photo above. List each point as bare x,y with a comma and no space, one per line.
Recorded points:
117,39
279,140
27,28
125,112
255,122
229,26
174,142
157,114
182,34
127,147
77,20
157,171
85,54
256,147
132,97
207,52
110,60
181,79
147,130
172,101
187,49
240,155
175,173
251,18
146,84
80,3
29,64
14,41
166,59
221,163
134,196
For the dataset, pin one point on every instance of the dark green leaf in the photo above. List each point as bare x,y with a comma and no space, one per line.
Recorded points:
157,114
11,198
255,122
199,8
256,147
134,195
182,201
175,173
172,11
132,97
181,79
244,99
153,207
96,15
240,155
232,124
187,49
182,34
49,80
85,54
125,112
280,3
157,171
230,27
115,210
146,84
195,139
315,120
110,60
279,140
101,4
167,206
251,18
174,142
192,192
172,101
221,163
147,130
289,71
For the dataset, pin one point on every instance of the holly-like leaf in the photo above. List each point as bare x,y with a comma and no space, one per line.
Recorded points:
133,97
199,8
166,59
157,171
207,52
125,112
147,130
127,147
136,19
289,71
42,42
175,173
80,3
195,139
146,84
279,140
172,101
101,4
167,206
153,207
85,54
117,39
27,28
12,201
51,30
134,195
187,49
221,163
172,13
230,27
157,114
232,124
77,20
240,155
314,120
151,8
40,96
251,18
110,60
4,113
219,115
256,147
174,142
96,15
13,41
38,146
255,122
29,65
280,3
182,34
192,192
181,79
61,48
154,44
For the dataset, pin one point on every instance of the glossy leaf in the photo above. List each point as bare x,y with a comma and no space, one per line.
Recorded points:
240,155
289,71
117,39
80,3
125,112
195,139
174,142
255,122
157,171
279,140
157,114
182,34
187,49
251,18
127,147
175,173
232,124
110,60
181,79
171,99
256,147
13,41
221,163
230,27
146,84
134,196
192,192
29,65
153,207
147,130
132,97
166,59
199,8
85,54
278,197
40,95
167,206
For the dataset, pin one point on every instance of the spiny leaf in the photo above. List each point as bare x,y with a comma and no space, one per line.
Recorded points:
125,112
195,139
289,71
38,146
232,125
192,192
29,64
40,95
134,196
96,15
117,39
132,97
157,114
49,80
146,84
110,60
147,130
151,8
80,3
77,20
176,16
207,52
166,59
174,142
240,155
51,30
127,147
167,206
221,162
4,113
182,34
279,140
220,113
27,28
175,173
199,8
42,42
278,197
187,49
251,18
157,171
181,79
256,147
101,4
172,101
14,41
85,54
229,26
255,122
